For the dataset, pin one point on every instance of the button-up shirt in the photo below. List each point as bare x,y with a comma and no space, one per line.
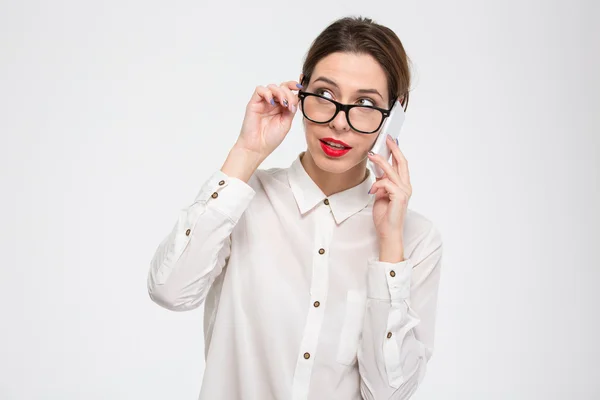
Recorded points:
297,303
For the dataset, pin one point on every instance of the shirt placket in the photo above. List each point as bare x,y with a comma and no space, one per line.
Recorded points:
323,231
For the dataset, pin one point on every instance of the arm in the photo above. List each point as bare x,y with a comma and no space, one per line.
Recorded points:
399,323
189,259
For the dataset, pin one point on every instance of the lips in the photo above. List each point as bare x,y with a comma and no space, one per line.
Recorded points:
335,143
334,148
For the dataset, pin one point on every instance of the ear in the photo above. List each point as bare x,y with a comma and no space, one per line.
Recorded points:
404,99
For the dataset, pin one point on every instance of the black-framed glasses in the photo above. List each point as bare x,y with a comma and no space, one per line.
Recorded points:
321,110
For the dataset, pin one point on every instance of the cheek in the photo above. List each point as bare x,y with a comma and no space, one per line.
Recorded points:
361,144
312,132
367,142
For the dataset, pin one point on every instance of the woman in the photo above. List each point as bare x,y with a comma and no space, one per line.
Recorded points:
318,282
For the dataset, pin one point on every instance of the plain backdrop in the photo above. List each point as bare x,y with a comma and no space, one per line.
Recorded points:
113,113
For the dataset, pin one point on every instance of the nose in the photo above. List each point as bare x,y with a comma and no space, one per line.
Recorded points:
340,122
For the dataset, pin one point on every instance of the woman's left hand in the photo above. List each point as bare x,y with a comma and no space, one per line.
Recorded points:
392,192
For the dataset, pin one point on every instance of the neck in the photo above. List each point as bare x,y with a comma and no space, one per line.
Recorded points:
330,182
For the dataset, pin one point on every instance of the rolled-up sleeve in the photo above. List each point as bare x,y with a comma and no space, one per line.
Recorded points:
399,324
188,260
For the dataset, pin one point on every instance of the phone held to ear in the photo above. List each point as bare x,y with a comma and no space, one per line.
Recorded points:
391,126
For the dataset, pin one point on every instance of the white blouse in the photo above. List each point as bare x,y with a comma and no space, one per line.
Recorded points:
297,305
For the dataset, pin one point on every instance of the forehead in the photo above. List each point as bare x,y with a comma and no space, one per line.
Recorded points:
352,71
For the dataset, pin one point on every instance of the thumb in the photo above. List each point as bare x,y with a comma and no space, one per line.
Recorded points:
287,116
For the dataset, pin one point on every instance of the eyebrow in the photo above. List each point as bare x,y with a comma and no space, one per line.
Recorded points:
331,82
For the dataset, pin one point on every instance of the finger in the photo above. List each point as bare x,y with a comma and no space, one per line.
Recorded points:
383,187
401,164
390,188
394,162
280,96
385,166
261,93
291,98
375,187
292,85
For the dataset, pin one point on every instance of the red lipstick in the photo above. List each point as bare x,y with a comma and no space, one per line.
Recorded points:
333,147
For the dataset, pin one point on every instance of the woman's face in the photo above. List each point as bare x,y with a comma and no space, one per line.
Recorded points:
349,79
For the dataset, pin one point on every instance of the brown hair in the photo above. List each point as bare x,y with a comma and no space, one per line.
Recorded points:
362,35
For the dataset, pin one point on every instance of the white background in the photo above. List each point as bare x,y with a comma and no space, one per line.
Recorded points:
113,113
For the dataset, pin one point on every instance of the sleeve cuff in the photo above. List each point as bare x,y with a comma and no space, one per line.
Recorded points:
389,281
228,195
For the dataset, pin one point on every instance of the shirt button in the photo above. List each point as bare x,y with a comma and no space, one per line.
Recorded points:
187,233
326,201
389,335
316,304
321,251
306,356
215,195
221,183
392,274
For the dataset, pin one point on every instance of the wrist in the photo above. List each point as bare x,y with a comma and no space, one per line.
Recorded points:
391,251
241,163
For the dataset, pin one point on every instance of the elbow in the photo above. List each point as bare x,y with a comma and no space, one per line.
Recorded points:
428,353
171,299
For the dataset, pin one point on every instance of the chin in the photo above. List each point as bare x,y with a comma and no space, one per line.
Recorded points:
335,165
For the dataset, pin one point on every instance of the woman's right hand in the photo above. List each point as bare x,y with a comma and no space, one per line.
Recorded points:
268,118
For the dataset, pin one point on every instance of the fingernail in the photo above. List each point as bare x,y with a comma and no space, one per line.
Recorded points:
272,102
371,153
299,86
397,142
285,102
369,191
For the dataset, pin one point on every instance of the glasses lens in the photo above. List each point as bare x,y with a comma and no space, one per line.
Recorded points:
320,110
365,119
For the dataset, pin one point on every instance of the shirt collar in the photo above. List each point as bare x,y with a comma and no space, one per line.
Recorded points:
343,204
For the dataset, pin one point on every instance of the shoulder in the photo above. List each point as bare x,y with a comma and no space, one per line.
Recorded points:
421,233
419,224
264,178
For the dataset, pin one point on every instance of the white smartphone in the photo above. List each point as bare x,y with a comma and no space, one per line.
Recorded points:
391,126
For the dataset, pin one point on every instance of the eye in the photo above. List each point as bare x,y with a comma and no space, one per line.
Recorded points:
324,93
366,102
